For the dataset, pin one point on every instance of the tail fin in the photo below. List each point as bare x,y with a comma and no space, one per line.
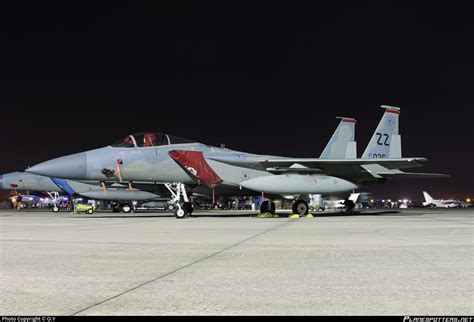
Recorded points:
428,198
342,144
386,142
354,197
64,185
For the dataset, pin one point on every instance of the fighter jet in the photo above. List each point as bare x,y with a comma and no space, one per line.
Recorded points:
341,144
440,203
158,158
119,194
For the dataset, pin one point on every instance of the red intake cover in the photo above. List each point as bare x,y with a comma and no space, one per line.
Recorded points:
194,163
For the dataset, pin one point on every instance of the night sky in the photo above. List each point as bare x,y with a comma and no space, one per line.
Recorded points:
265,79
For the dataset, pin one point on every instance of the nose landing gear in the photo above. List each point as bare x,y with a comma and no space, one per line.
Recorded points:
180,209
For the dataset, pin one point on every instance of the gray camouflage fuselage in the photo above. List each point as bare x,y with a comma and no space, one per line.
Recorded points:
154,164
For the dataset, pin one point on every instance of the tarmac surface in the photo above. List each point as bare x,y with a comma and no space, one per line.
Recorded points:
404,262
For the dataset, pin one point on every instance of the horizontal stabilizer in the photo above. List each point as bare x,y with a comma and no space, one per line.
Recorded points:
398,163
413,175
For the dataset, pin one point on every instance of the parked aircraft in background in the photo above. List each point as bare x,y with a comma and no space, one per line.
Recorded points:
440,203
23,181
157,157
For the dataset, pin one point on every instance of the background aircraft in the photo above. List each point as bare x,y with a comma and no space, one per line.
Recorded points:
157,157
120,194
440,203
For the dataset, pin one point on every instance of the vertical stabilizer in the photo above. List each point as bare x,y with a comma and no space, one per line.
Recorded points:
351,150
395,147
342,141
428,198
386,134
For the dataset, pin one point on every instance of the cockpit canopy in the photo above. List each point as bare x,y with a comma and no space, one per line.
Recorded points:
149,139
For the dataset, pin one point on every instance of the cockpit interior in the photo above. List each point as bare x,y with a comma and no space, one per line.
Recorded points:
149,139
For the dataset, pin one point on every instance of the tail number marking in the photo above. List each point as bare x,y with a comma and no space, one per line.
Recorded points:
379,139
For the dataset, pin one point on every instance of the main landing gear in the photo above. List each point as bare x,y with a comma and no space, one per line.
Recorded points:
267,206
300,207
180,209
349,206
124,207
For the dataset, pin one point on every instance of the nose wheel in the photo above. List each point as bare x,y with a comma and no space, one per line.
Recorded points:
183,211
179,213
55,199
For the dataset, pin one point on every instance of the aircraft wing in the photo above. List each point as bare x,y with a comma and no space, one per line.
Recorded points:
322,164
348,168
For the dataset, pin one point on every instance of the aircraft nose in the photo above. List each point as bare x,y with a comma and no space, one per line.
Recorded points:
72,166
1,181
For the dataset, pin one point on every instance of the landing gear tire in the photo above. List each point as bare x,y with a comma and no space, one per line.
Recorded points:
350,205
184,211
300,207
267,207
116,208
55,209
126,208
179,213
188,208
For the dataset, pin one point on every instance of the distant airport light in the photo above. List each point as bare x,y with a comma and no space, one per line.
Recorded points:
468,200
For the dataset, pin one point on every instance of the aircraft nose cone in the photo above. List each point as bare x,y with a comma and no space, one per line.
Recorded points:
72,166
1,181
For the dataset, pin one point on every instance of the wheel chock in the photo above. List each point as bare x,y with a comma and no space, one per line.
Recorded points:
293,216
265,215
309,216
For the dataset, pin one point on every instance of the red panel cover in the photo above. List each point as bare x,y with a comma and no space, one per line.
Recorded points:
194,162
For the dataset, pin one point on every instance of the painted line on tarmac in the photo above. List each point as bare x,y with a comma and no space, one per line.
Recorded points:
184,266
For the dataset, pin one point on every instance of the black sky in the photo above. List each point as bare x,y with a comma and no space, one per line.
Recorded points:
266,79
